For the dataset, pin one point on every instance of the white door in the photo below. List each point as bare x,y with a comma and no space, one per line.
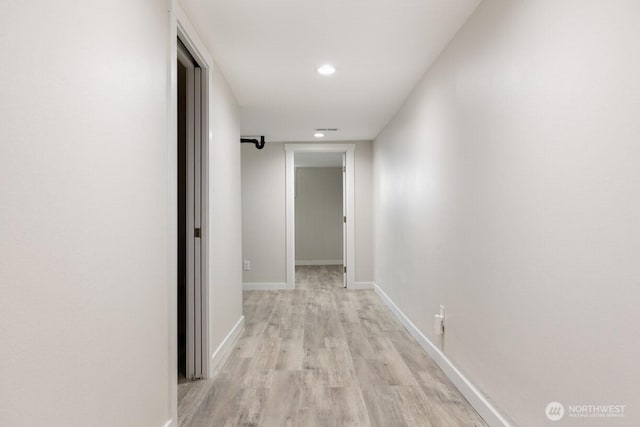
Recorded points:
344,219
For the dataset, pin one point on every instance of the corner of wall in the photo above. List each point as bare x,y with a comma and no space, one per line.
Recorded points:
223,351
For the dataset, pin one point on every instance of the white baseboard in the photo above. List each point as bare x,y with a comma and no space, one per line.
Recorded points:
265,286
224,349
470,392
364,285
320,262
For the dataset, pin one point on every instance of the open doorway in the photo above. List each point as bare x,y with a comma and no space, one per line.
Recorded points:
342,158
320,219
191,215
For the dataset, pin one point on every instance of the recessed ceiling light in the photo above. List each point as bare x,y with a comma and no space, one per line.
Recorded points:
326,70
319,135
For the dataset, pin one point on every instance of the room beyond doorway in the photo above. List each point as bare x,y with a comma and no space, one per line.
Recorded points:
307,152
319,210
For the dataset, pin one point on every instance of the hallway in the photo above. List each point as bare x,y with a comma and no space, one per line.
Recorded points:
321,355
152,154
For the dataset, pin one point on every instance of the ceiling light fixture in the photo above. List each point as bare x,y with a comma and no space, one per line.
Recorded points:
326,70
319,135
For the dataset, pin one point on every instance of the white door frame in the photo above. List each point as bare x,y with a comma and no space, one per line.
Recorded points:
344,214
349,150
195,212
179,26
201,309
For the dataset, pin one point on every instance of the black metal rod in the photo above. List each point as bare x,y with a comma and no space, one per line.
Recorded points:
259,144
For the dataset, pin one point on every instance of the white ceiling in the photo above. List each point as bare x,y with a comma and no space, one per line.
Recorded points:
317,159
269,52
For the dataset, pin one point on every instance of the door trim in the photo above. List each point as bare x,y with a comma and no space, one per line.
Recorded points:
201,167
349,150
180,26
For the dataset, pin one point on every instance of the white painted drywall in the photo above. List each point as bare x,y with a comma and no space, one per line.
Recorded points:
506,188
318,215
318,159
263,212
84,217
84,321
225,240
364,212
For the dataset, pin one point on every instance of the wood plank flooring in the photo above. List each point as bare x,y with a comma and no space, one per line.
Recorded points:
321,355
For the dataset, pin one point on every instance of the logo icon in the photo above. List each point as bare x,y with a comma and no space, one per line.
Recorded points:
554,411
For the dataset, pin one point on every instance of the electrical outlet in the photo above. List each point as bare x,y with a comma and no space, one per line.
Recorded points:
438,322
246,265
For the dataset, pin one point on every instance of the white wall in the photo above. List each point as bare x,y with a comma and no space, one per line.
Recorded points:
364,212
84,216
84,224
319,215
506,188
225,240
263,212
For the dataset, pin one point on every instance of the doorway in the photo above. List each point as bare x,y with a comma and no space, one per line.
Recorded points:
342,157
319,217
191,215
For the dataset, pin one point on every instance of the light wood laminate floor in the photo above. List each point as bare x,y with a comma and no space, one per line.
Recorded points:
321,355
